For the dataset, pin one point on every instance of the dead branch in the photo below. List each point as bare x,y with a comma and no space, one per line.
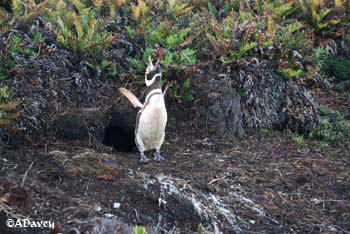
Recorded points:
26,174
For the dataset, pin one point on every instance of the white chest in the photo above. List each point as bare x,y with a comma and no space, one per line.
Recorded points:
152,121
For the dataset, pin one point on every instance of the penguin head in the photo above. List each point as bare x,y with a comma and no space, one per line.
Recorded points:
153,73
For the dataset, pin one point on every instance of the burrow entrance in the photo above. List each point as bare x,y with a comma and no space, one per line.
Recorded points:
119,133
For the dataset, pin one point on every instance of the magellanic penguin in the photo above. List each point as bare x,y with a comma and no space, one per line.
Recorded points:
152,118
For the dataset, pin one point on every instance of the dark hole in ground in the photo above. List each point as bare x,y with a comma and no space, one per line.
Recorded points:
119,138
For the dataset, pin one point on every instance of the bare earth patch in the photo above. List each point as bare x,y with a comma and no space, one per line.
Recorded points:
256,185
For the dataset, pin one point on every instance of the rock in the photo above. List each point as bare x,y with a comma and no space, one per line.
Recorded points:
327,113
217,106
58,98
248,98
84,124
179,201
48,86
269,101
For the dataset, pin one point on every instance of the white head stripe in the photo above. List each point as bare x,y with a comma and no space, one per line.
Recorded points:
158,74
159,91
149,82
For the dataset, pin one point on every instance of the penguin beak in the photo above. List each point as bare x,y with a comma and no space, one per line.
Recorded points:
150,61
150,67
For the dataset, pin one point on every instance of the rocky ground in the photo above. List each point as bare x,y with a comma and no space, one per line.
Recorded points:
264,183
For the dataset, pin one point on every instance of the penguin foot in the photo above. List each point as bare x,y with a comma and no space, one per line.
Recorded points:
143,158
158,157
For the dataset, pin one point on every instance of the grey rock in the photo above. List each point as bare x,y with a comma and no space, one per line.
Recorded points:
218,108
269,101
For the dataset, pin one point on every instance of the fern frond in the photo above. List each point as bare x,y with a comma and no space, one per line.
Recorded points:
98,4
271,26
79,5
324,13
293,27
171,4
143,7
120,2
15,4
31,4
30,16
135,11
91,29
248,47
212,41
64,28
183,9
112,8
78,27
282,10
338,3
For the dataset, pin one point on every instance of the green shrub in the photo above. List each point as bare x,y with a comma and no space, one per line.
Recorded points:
167,38
298,140
186,35
139,230
4,92
337,133
81,31
338,67
264,131
7,60
316,14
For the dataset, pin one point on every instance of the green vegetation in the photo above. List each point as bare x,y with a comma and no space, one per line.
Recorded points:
200,229
337,133
78,30
344,87
298,140
338,67
185,35
315,13
8,112
4,92
264,132
139,230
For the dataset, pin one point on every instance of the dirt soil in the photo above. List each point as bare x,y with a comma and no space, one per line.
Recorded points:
270,184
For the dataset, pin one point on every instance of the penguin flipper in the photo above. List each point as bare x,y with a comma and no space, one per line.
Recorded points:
131,97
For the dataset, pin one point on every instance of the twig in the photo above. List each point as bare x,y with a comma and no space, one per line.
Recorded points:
137,216
8,211
215,180
319,160
343,230
26,174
